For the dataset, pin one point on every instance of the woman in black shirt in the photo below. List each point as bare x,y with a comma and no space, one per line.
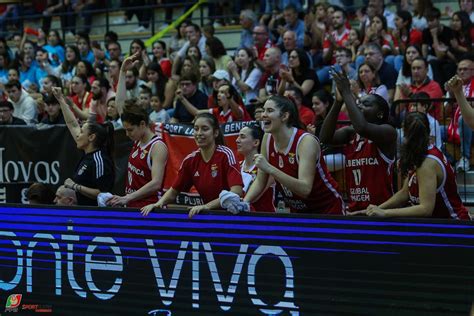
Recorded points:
95,171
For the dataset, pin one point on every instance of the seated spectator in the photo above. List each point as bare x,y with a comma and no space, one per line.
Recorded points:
404,75
101,93
114,73
405,35
421,103
306,115
48,83
24,107
293,23
429,188
159,114
206,69
27,71
368,82
158,83
420,82
262,41
194,52
420,9
188,92
289,44
53,111
6,115
436,45
463,36
114,50
217,51
245,74
40,194
85,68
113,115
219,78
343,57
13,74
248,20
65,197
84,45
81,97
299,75
386,72
133,83
379,33
159,56
179,39
466,6
144,98
268,84
55,48
67,69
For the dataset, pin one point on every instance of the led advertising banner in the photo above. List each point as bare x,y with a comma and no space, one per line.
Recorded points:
116,262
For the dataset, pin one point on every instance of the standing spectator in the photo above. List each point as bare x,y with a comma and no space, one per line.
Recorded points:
248,20
245,74
177,41
24,105
6,115
188,92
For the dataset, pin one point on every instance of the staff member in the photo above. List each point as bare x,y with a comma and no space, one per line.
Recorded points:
95,172
211,168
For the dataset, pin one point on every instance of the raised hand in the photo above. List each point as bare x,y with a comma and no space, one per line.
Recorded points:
454,85
342,82
131,62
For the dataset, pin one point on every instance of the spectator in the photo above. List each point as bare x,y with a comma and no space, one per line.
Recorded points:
354,43
24,106
343,63
306,115
338,37
65,197
370,137
6,115
194,52
132,83
387,74
430,187
420,82
219,78
177,41
159,114
421,103
49,82
289,44
84,45
368,82
13,74
55,48
159,56
196,169
158,83
137,46
261,40
67,69
188,92
81,97
299,75
85,68
436,44
462,87
217,51
109,37
113,74
420,8
245,74
405,35
95,172
144,98
112,114
53,111
466,6
43,68
268,84
206,69
290,14
101,93
27,71
115,51
40,194
378,33
404,76
248,21
463,36
194,37
230,108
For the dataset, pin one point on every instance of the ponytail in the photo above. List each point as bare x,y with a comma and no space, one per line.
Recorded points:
415,145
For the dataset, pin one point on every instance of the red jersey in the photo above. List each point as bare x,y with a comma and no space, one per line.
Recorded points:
341,41
221,172
448,202
139,172
324,198
265,202
227,117
85,102
261,50
365,163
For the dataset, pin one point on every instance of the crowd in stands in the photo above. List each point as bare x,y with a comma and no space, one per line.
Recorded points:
344,73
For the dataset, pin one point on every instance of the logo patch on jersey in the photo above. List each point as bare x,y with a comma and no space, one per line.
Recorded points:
82,170
143,154
214,170
280,162
291,158
135,153
196,174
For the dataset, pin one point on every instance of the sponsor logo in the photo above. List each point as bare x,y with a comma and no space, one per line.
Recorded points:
291,158
13,301
214,170
196,174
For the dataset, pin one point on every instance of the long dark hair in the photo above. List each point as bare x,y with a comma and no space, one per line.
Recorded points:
216,48
417,138
257,133
406,68
465,28
67,66
162,79
375,81
304,61
406,17
104,136
251,63
287,106
214,124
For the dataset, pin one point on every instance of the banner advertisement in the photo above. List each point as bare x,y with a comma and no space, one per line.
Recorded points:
80,261
50,156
